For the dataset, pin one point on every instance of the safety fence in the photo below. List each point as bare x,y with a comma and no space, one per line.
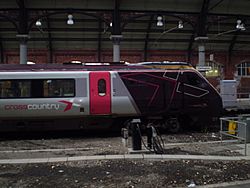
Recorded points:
234,127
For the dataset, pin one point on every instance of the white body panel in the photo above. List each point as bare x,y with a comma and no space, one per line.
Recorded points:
47,107
62,107
122,101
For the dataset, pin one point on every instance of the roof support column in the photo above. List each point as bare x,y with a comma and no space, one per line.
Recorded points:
99,41
190,45
147,37
1,52
231,46
116,32
49,42
202,32
23,31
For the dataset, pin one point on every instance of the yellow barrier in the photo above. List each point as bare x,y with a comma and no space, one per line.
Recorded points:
232,126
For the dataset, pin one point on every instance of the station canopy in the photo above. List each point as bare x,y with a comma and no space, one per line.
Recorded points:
142,24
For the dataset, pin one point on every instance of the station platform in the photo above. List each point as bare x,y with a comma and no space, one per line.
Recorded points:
240,104
243,103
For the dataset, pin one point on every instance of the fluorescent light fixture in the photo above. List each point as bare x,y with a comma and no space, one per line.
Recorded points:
180,24
70,19
38,23
30,63
159,21
76,62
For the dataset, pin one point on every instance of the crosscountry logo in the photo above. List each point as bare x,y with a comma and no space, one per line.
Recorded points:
69,105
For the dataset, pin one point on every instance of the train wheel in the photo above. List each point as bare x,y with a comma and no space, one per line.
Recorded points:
173,125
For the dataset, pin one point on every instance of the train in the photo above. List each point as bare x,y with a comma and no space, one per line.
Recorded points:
171,95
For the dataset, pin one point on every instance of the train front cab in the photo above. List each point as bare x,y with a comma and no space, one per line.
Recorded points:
202,103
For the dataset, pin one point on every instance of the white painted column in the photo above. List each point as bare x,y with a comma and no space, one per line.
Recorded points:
201,49
23,48
116,39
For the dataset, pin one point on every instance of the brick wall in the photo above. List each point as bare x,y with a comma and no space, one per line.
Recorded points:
167,56
67,56
42,56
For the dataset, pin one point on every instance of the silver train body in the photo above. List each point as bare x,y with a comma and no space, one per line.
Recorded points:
57,97
68,111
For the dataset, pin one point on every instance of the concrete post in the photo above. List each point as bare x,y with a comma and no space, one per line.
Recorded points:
116,51
201,49
116,47
23,48
23,52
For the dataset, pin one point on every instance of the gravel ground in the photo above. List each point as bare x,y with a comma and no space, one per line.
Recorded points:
189,143
123,173
118,173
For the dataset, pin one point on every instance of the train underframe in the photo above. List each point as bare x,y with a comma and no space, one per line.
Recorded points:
171,123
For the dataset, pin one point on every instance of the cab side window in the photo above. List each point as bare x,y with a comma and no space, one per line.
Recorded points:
194,80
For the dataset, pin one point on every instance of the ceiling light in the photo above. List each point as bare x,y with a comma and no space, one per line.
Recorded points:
70,19
242,28
180,24
38,23
240,25
159,21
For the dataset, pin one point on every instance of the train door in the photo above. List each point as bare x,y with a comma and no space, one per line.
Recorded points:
100,88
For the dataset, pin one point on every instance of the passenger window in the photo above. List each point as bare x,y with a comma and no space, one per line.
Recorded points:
37,88
14,89
58,88
101,87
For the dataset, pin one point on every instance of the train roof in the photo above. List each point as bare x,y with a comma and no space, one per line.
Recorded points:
63,67
93,67
167,63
